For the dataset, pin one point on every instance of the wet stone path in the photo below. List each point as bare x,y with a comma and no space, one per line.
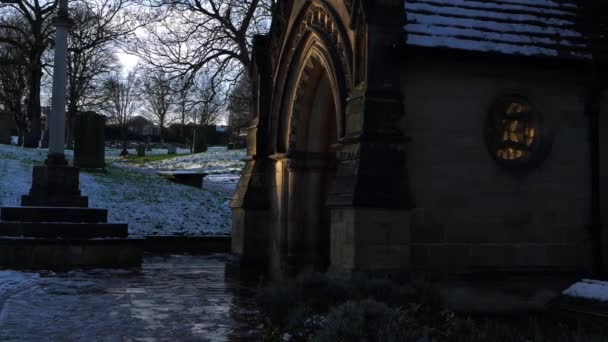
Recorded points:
174,298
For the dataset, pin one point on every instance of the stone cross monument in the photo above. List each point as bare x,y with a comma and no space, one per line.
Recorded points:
54,228
56,184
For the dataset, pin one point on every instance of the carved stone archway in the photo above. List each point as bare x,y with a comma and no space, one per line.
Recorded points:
326,118
311,160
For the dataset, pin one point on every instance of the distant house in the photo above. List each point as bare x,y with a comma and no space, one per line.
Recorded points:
141,126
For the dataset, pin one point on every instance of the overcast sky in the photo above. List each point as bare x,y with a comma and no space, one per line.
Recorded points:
128,61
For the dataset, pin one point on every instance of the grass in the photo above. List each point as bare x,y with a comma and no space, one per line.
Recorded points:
149,159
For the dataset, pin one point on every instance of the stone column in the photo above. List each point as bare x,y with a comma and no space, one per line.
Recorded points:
250,204
56,184
56,120
371,201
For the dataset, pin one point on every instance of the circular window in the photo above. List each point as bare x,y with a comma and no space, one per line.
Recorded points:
513,132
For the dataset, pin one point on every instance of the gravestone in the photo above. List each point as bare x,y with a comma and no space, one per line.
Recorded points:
148,143
141,150
199,141
171,149
89,140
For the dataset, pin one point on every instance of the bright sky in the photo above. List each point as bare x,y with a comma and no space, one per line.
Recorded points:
127,61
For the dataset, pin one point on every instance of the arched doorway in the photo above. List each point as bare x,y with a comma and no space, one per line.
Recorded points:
311,169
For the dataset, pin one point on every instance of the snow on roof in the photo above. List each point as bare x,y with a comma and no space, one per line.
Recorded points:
514,27
589,289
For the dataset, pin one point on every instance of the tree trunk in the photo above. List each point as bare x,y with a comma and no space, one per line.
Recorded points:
33,105
181,129
162,126
21,133
123,134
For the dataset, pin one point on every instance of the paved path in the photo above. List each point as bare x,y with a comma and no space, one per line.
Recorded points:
176,298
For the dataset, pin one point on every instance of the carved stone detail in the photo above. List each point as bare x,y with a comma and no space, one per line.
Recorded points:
319,18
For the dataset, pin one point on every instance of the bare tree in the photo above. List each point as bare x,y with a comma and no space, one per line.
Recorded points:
14,87
158,96
239,105
197,35
33,40
207,103
121,102
98,24
183,102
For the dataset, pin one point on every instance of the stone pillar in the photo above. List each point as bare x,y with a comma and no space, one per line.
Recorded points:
250,204
371,201
56,120
56,184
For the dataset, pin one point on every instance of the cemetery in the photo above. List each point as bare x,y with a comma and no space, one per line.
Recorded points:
303,170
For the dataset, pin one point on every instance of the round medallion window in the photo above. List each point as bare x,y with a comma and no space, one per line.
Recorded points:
513,132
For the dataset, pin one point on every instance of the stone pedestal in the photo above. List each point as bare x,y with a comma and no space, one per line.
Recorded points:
55,186
65,238
55,229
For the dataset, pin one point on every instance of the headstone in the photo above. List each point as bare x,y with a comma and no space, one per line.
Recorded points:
89,140
199,143
141,150
171,149
148,143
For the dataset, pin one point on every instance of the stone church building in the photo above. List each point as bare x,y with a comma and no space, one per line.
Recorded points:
442,136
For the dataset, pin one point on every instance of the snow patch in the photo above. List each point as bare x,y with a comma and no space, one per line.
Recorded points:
589,289
150,204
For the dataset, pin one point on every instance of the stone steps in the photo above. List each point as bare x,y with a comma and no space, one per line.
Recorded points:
63,230
67,254
53,214
62,238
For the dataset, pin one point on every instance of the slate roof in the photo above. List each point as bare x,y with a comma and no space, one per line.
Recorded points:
514,27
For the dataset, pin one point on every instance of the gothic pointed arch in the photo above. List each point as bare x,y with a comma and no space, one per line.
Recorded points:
317,39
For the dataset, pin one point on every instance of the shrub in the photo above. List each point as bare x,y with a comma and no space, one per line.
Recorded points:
320,293
366,320
384,291
278,302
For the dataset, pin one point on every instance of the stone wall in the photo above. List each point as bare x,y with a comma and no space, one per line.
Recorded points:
473,214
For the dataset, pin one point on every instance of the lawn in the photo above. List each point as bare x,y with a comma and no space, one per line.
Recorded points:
147,159
133,193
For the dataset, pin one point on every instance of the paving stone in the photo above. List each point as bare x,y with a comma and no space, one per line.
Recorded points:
173,298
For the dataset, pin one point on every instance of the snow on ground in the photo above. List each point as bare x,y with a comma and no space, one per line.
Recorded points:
589,289
150,204
115,152
217,160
